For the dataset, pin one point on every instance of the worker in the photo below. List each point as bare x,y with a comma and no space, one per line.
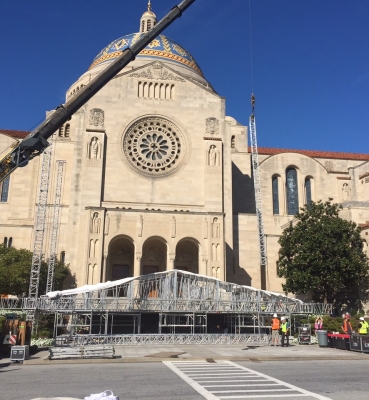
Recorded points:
346,324
285,328
363,326
275,330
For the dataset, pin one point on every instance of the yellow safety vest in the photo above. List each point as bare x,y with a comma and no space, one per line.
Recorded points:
284,327
364,328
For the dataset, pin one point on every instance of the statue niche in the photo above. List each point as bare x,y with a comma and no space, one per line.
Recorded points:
95,223
213,156
94,149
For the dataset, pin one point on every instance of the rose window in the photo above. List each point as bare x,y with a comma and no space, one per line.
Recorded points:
154,146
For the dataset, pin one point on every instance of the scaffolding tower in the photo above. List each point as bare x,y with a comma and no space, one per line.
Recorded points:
258,199
39,230
55,226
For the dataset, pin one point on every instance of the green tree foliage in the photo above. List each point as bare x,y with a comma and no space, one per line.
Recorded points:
322,254
15,271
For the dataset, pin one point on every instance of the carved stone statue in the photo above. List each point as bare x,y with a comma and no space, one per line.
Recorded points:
345,192
212,156
216,228
173,227
95,223
94,149
139,226
96,117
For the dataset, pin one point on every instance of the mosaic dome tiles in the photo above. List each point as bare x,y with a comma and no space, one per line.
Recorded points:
161,47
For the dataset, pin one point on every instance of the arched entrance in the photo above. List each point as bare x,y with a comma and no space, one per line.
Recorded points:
121,258
187,255
154,256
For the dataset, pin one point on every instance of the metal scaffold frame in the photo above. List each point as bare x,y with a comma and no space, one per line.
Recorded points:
258,197
55,227
39,230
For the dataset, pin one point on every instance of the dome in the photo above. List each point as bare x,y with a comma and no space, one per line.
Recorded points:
161,48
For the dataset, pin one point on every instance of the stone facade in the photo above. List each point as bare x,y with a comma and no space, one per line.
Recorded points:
157,177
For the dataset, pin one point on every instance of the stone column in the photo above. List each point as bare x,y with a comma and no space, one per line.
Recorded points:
170,261
104,267
137,264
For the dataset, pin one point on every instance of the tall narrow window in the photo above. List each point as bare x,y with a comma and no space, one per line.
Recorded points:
292,191
308,191
5,242
61,131
67,130
10,242
62,257
233,142
5,190
275,195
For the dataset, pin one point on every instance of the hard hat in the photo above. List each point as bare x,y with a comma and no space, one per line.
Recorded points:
274,315
361,318
283,318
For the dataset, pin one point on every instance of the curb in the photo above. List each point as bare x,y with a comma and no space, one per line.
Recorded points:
128,360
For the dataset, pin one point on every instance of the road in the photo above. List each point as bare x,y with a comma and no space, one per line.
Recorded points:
335,380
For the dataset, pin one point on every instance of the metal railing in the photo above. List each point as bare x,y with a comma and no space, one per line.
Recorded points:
164,339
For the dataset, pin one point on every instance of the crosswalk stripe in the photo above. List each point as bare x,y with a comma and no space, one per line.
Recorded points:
240,385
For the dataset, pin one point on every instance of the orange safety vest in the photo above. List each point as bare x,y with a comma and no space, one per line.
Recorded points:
275,324
345,326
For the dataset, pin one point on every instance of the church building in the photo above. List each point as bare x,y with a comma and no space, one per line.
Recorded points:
157,177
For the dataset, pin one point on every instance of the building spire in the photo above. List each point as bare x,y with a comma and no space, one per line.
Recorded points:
148,19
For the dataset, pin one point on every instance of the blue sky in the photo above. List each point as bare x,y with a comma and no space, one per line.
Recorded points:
310,61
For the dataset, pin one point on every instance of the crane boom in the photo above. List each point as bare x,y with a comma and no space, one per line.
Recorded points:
257,188
36,142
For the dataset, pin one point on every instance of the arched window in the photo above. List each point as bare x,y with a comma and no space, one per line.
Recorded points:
292,191
61,131
67,130
275,191
4,190
148,25
307,191
233,142
10,242
62,257
5,242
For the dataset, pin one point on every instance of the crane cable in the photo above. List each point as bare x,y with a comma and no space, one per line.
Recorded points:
267,280
251,58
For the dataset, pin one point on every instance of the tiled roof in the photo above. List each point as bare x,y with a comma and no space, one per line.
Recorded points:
14,134
315,153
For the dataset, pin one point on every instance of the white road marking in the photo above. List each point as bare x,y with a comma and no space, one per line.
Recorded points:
201,375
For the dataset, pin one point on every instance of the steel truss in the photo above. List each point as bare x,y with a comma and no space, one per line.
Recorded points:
257,188
55,227
39,230
174,291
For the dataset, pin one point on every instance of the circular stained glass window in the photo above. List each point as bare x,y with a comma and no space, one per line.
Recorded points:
154,146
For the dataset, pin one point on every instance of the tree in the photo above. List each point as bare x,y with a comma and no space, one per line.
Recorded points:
15,271
322,254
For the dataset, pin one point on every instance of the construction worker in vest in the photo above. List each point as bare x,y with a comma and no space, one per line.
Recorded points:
285,328
275,330
363,326
346,325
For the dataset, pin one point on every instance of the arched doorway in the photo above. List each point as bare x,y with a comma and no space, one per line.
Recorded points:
187,255
154,256
121,258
